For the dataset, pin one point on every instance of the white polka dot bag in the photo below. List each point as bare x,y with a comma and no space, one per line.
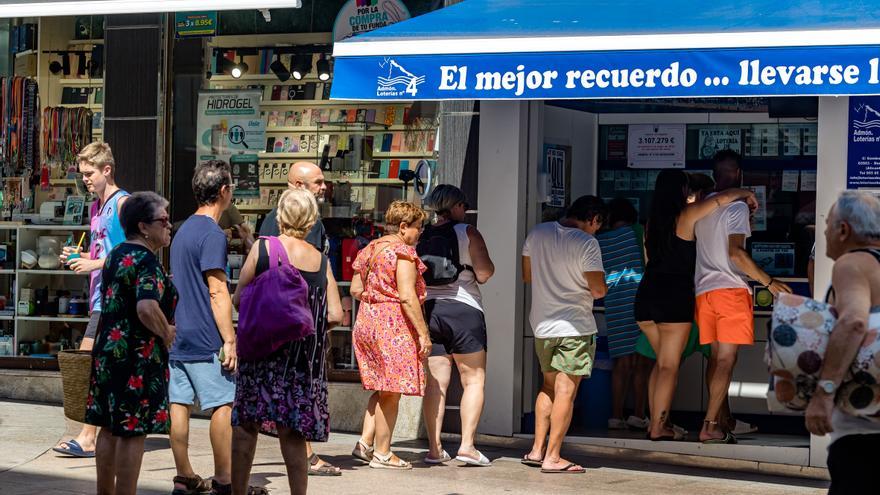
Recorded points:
795,353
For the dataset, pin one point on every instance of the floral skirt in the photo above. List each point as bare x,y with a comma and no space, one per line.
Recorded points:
287,389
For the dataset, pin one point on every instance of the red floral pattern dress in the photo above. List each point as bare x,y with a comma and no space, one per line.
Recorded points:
386,344
129,384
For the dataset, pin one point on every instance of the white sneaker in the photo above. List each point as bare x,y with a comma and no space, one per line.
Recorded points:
616,424
635,423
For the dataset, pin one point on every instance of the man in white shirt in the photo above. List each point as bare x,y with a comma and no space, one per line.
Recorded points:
724,310
563,263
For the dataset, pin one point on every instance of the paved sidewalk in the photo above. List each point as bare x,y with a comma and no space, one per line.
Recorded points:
29,467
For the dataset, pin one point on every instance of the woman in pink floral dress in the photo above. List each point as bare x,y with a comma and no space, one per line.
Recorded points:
390,336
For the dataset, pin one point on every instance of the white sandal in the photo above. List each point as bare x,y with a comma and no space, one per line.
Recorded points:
384,462
483,461
444,457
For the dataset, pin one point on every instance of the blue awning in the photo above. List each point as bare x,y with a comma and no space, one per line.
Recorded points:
557,49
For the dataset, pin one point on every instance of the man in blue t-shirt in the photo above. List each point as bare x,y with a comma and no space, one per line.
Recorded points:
203,359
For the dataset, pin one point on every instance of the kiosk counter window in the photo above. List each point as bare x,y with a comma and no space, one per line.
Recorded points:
778,162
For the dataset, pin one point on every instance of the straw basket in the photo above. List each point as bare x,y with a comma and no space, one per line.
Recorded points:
76,372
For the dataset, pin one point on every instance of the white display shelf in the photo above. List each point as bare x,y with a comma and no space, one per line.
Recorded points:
377,128
7,272
84,82
72,319
355,181
26,53
93,106
247,208
52,272
86,42
341,329
216,78
309,154
85,228
320,103
7,318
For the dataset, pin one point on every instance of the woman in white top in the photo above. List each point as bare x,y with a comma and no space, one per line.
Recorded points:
454,312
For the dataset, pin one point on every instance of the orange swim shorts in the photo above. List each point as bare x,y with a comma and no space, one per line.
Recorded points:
726,316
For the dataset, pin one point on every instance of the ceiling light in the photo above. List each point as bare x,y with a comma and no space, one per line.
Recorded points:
323,67
239,69
277,67
301,66
55,67
224,65
81,65
65,64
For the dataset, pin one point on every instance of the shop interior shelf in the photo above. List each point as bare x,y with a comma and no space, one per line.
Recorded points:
309,154
341,127
6,272
6,318
354,181
94,106
25,53
55,227
81,82
62,182
316,103
52,272
86,42
247,208
71,319
267,77
341,329
342,283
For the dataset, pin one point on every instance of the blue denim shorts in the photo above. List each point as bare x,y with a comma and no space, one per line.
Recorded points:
205,380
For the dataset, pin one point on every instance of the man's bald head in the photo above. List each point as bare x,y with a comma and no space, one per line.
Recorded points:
307,175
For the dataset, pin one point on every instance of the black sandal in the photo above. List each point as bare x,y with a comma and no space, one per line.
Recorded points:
218,489
194,486
326,470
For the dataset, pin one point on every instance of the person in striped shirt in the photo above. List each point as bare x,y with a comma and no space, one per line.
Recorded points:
622,258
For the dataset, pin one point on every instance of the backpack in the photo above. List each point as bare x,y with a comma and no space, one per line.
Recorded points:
438,250
274,308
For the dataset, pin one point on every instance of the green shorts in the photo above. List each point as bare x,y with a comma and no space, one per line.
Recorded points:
569,355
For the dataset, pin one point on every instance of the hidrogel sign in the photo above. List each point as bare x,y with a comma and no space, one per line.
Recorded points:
633,74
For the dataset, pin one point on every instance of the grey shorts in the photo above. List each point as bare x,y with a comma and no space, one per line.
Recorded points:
92,327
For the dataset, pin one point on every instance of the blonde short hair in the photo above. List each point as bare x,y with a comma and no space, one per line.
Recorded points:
297,212
402,212
97,154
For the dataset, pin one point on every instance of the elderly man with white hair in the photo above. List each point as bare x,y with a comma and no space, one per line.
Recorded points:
852,234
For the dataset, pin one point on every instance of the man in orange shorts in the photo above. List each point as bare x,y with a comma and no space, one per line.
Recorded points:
724,299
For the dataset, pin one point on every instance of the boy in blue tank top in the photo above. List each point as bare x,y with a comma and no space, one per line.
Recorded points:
97,166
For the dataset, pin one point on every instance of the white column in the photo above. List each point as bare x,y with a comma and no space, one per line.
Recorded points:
504,151
830,180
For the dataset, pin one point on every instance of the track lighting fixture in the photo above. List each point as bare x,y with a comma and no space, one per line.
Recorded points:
323,68
240,69
301,66
277,67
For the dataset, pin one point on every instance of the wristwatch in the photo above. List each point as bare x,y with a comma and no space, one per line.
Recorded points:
827,386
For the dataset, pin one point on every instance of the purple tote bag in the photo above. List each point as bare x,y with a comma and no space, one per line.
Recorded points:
274,308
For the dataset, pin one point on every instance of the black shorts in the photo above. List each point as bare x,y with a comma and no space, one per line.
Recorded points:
851,463
455,327
92,327
663,298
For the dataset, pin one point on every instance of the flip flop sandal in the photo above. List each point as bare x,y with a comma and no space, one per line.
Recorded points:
194,486
363,452
483,461
444,457
569,469
385,462
74,449
528,461
743,428
326,470
727,439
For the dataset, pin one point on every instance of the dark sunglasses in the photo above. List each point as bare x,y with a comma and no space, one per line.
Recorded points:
164,220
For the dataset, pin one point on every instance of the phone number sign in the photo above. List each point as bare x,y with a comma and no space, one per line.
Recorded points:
195,24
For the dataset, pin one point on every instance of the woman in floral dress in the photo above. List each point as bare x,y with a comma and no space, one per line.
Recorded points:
286,392
128,396
390,336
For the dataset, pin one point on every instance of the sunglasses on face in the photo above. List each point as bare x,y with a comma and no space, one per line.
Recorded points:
165,221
